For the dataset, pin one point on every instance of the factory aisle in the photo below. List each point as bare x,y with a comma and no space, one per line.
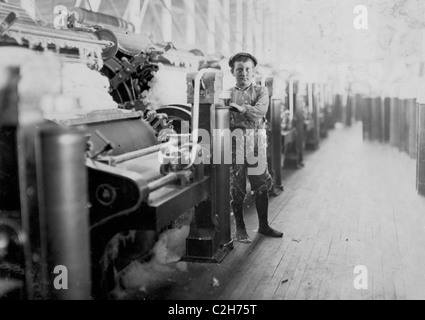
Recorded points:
354,204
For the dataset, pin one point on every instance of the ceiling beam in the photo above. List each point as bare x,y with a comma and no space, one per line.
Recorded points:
133,14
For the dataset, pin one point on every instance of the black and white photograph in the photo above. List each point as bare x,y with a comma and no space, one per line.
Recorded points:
212,155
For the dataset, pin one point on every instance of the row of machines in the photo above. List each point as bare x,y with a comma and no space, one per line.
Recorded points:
69,184
300,115
398,120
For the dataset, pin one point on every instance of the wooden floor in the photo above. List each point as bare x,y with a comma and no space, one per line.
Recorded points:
354,204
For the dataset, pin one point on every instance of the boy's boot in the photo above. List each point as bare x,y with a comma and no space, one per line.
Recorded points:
241,235
262,204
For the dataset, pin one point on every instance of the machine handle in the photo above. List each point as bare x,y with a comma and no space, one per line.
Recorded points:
108,145
7,22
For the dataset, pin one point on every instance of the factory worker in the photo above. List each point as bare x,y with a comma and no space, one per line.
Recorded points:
248,111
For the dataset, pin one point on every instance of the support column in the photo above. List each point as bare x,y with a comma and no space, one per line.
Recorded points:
209,239
258,29
211,26
313,137
323,127
226,28
291,98
222,177
64,220
376,119
249,35
167,21
133,14
310,96
387,119
281,10
412,128
276,104
92,5
29,6
272,21
190,22
421,149
239,26
393,121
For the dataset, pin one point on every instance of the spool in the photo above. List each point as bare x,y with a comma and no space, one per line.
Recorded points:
65,240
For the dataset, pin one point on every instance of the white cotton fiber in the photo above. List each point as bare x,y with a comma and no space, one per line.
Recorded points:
88,86
167,87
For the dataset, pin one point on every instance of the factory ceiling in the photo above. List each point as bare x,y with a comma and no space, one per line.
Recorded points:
296,34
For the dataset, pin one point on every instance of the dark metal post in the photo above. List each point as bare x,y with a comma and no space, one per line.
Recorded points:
421,150
208,234
17,181
367,118
359,107
400,124
404,129
276,121
338,109
413,148
393,121
316,115
386,119
376,120
222,176
64,220
349,112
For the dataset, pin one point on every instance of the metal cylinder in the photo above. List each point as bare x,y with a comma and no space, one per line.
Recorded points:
9,177
404,130
399,121
393,119
88,17
376,119
350,111
367,118
338,109
316,118
276,121
386,119
411,120
162,182
413,130
222,175
421,150
359,103
64,220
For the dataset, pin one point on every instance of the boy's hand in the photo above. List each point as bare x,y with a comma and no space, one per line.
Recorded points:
237,108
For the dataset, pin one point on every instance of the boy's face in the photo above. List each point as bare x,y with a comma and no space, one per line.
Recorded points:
244,73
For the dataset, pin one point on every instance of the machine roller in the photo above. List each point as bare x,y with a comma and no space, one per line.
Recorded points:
91,45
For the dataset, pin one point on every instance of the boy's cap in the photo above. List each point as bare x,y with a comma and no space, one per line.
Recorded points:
242,54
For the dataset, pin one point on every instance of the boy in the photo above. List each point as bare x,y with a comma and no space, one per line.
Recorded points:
248,110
